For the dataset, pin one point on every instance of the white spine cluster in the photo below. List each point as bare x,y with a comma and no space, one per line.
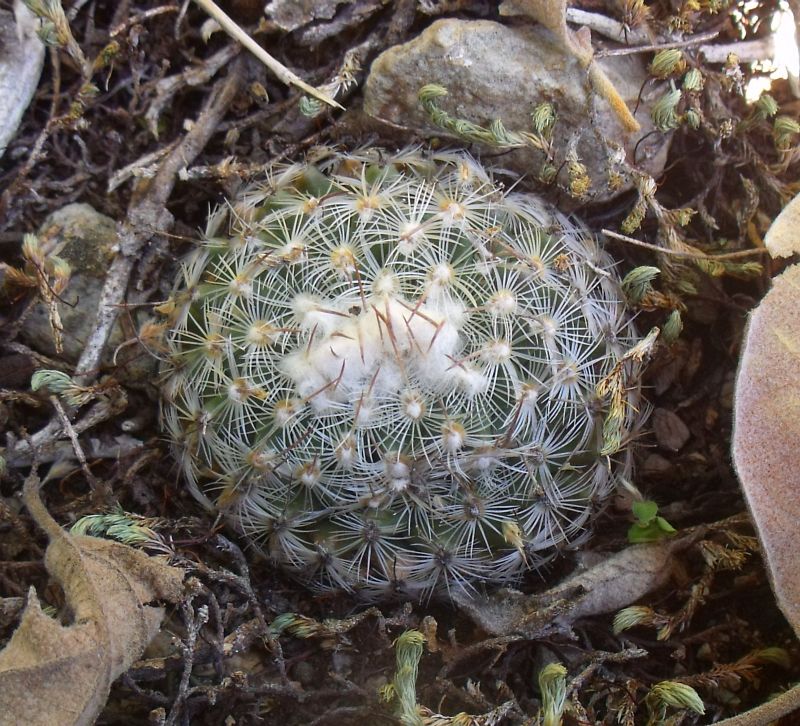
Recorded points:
386,372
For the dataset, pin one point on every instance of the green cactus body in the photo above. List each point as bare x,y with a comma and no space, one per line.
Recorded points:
384,371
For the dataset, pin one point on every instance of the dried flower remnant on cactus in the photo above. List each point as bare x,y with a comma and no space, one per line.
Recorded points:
384,371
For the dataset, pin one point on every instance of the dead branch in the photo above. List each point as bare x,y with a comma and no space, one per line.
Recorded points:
147,216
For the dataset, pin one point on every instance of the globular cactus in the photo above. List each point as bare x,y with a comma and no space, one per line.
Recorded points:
385,371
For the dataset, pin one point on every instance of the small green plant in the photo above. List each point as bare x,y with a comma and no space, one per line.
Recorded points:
553,687
119,525
62,384
671,694
403,688
388,372
648,527
401,692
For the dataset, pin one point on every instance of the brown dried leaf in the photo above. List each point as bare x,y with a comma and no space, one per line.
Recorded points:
782,238
550,13
604,586
767,431
51,674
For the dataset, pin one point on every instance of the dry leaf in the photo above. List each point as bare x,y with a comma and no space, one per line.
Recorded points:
783,236
606,586
767,432
550,13
52,674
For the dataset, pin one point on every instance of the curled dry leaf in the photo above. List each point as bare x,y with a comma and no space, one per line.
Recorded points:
767,431
52,674
782,238
604,586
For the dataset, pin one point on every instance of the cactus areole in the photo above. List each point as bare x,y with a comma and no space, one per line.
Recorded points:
384,370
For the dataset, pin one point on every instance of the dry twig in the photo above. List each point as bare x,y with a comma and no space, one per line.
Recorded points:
281,71
100,489
147,216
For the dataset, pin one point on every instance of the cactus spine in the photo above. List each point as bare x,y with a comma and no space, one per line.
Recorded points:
384,371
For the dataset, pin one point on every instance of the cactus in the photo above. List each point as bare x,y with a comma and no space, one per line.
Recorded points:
384,370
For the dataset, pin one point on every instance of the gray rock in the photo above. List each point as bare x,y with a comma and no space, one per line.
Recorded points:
494,71
292,14
671,432
656,465
87,240
21,61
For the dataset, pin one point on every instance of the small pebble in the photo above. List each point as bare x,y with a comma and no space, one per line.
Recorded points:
656,465
671,432
304,673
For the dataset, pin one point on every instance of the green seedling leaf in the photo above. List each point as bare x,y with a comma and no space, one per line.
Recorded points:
645,512
653,532
649,527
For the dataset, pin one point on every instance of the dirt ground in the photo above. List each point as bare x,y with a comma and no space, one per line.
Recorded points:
219,658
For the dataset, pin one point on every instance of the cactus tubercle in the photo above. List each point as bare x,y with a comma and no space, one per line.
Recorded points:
385,371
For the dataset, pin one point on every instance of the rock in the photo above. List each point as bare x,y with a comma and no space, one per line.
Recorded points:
289,15
494,71
87,240
655,466
671,433
305,674
21,61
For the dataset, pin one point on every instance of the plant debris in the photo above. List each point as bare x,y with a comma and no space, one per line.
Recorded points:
61,674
